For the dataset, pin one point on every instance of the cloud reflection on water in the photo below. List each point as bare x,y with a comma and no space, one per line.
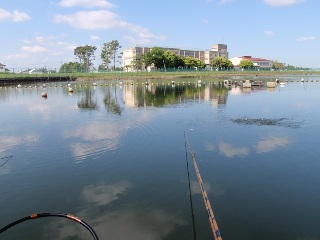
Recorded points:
10,142
230,151
271,143
102,194
94,138
128,222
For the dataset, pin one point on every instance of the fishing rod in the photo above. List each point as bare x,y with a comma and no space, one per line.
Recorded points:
6,160
212,219
41,215
190,196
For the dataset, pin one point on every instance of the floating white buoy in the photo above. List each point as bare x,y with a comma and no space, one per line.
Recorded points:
70,89
94,84
19,86
43,85
69,84
44,94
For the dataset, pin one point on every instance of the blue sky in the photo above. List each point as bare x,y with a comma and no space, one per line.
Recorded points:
40,33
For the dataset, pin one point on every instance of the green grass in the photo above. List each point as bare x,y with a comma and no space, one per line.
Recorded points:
163,75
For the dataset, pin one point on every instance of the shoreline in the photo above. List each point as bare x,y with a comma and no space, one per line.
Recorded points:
12,79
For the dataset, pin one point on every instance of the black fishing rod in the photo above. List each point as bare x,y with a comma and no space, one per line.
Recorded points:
190,193
41,215
6,159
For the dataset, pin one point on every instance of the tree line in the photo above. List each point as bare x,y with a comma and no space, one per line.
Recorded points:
156,57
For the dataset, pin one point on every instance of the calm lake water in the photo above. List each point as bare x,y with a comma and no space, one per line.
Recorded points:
114,155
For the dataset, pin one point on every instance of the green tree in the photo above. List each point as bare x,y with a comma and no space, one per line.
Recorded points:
85,55
109,51
154,57
191,62
172,60
246,64
277,65
137,63
71,67
221,63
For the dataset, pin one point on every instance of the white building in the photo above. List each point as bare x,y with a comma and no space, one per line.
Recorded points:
217,50
257,62
2,67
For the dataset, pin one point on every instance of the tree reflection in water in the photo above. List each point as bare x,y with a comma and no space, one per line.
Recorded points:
86,101
111,103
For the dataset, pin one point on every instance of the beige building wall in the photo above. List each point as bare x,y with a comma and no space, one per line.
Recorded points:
218,50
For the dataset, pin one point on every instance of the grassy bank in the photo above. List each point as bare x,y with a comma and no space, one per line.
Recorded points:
165,75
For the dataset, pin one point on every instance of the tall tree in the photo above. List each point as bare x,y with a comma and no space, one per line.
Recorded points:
85,55
155,57
109,51
138,62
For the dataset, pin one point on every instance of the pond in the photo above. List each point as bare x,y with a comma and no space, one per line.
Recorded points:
113,154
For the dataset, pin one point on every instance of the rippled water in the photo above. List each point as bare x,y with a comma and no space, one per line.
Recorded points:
114,156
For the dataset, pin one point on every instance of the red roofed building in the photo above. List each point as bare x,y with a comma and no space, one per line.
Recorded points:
257,62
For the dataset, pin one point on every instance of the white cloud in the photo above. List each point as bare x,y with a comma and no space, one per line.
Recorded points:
306,39
94,38
27,51
86,3
91,20
282,3
40,45
34,49
269,33
15,16
224,1
205,21
103,19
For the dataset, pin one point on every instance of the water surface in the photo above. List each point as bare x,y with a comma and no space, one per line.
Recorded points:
114,155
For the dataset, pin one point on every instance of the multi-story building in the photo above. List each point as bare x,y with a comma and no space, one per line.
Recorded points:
257,62
217,50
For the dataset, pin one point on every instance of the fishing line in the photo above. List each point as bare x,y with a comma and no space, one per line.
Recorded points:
190,194
6,160
41,215
212,219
